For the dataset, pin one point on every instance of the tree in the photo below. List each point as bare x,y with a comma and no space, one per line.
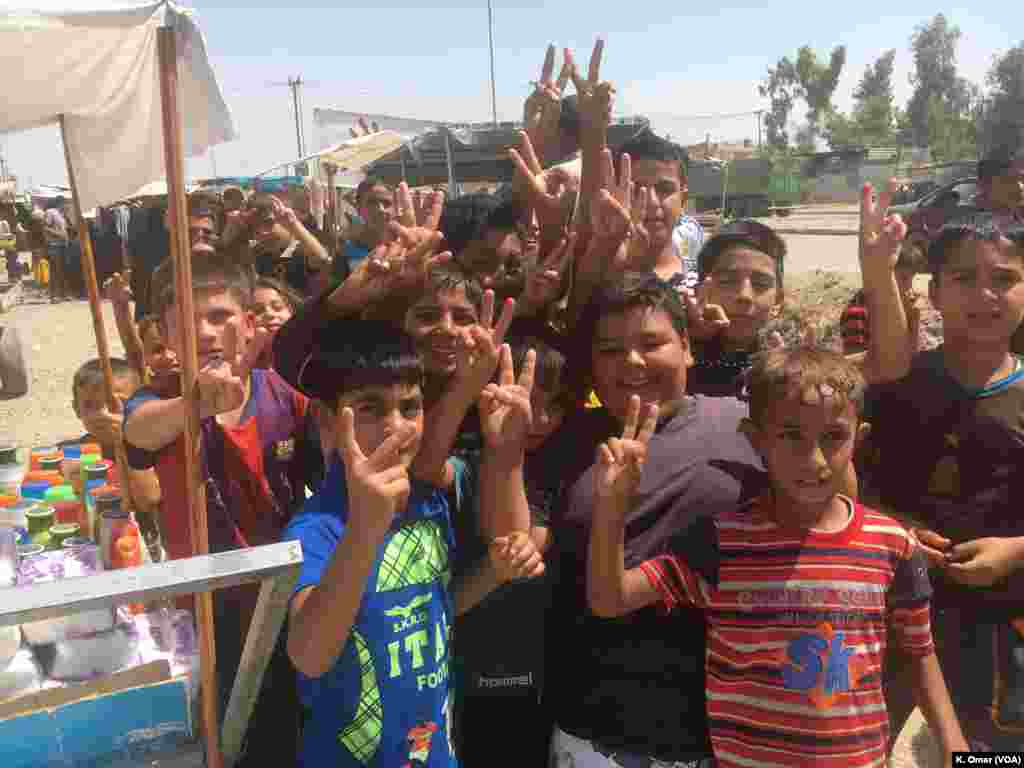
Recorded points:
1004,117
934,47
818,83
780,87
807,79
873,115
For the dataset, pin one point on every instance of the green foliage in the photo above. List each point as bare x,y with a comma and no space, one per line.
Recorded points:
933,45
809,80
1003,119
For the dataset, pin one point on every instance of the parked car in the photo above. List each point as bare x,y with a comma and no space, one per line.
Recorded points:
926,216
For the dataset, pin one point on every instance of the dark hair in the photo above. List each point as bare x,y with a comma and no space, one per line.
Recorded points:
782,374
263,204
451,278
233,192
469,218
749,233
569,120
203,203
647,145
356,355
211,272
367,184
290,297
550,373
984,225
90,374
997,161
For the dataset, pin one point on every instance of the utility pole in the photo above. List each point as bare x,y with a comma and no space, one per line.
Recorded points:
759,113
490,36
295,84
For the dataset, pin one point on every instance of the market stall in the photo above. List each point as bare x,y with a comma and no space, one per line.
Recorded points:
116,78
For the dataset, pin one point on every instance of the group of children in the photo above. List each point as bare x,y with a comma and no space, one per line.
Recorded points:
742,554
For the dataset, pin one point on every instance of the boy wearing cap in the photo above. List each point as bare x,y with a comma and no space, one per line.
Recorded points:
740,291
371,612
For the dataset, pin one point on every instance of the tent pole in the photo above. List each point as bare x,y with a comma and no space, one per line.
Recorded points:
98,325
451,165
174,162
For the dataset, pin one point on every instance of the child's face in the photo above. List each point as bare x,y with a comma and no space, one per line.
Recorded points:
548,413
214,310
743,282
379,412
436,323
90,404
160,358
807,444
269,310
665,189
638,352
980,291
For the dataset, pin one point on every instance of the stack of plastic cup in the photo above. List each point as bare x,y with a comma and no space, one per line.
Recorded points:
72,466
35,490
11,470
38,453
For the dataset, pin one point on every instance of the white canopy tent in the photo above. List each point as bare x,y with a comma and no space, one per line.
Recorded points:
96,64
117,77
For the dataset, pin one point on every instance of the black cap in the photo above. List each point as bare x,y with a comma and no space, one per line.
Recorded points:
982,225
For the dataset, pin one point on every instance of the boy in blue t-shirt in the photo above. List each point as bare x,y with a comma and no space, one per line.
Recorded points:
371,611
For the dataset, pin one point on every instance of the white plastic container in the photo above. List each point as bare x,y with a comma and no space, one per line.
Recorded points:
52,566
85,658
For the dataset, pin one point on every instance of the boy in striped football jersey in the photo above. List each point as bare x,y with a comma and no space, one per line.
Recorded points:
801,588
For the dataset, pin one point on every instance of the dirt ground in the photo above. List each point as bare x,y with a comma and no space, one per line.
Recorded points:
821,276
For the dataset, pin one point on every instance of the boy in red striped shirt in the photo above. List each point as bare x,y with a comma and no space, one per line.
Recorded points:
801,587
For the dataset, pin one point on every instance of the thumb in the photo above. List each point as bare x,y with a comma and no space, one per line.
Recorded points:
961,553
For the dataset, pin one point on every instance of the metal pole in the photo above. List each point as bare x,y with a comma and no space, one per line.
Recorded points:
490,35
294,84
451,165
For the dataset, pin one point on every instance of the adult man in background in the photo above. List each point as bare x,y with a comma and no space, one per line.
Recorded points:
55,228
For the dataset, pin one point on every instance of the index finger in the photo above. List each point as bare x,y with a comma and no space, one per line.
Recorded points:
529,367
508,313
549,65
649,424
594,73
487,310
434,209
230,342
885,196
528,153
570,62
351,452
629,428
406,212
506,377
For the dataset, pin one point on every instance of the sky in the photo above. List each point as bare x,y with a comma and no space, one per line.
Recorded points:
670,61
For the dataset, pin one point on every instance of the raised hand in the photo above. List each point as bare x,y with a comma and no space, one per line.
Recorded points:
550,192
620,460
617,217
364,129
881,233
505,411
106,425
515,557
222,381
543,107
419,211
595,95
544,279
378,485
933,546
480,349
117,288
284,215
705,320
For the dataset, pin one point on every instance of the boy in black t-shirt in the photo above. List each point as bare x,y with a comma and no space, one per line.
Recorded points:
947,450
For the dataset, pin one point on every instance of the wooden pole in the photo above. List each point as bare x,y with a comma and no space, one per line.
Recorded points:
174,161
98,325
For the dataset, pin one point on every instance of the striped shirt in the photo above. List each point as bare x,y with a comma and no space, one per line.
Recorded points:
797,627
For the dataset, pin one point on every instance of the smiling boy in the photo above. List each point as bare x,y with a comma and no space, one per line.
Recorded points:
800,588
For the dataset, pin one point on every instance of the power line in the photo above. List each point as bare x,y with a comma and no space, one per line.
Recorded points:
718,116
490,36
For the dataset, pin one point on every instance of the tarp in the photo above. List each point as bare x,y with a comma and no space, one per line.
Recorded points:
96,63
